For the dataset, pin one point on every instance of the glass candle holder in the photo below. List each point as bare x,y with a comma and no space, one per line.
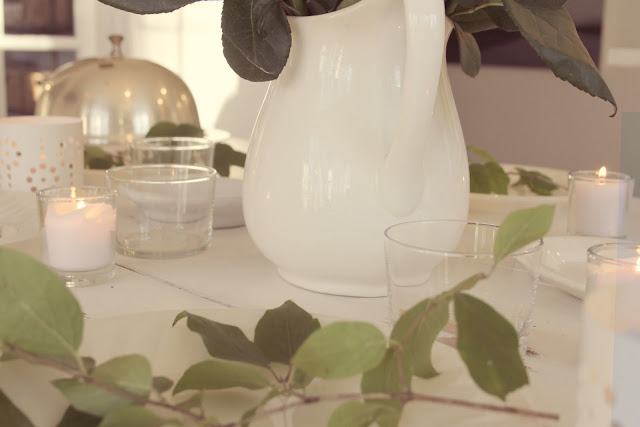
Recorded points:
177,150
598,203
425,258
164,211
609,380
77,233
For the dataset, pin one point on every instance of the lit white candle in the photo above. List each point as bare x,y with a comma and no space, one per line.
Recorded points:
79,234
598,202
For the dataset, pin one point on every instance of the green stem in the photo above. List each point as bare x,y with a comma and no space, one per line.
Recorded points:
489,3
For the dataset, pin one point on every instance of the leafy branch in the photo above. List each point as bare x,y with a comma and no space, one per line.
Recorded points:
256,35
120,390
491,178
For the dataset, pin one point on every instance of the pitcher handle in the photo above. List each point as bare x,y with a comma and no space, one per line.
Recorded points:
402,176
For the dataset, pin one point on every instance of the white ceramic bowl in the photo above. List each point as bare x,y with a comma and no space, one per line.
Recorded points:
492,208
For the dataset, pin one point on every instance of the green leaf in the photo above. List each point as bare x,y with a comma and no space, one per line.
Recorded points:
38,314
416,332
470,58
483,154
10,415
224,157
475,22
346,3
216,375
148,6
194,401
341,349
224,341
501,18
385,378
488,345
300,379
552,34
488,178
134,416
281,331
361,414
537,182
125,374
161,129
74,418
161,384
189,130
520,228
256,38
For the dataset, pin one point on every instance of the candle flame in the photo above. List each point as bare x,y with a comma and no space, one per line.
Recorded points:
602,173
80,204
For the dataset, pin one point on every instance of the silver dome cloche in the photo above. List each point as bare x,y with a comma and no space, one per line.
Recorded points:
118,98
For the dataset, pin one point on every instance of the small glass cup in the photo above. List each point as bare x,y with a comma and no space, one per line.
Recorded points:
164,211
598,205
608,377
77,229
425,258
176,150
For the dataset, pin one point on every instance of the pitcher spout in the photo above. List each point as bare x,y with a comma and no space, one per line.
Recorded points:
401,178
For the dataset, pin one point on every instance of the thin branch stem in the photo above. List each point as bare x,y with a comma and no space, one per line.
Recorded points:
489,3
56,364
405,396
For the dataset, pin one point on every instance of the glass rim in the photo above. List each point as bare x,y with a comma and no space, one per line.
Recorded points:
592,175
532,247
151,143
208,173
594,252
49,193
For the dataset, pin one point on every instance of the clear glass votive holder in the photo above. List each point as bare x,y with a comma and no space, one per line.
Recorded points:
164,211
77,233
425,258
177,150
598,204
608,376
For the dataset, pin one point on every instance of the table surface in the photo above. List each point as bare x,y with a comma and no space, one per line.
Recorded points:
234,274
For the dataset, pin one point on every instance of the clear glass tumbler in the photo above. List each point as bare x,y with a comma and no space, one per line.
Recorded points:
164,211
177,150
77,230
425,258
608,378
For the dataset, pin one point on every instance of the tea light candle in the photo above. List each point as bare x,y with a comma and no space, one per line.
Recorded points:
598,202
78,228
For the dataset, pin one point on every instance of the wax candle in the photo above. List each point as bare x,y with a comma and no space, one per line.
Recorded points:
78,229
598,203
609,381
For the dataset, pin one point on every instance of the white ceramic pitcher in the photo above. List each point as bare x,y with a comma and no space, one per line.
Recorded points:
359,132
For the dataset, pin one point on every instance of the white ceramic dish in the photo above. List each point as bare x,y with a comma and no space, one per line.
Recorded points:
18,216
172,349
492,208
564,262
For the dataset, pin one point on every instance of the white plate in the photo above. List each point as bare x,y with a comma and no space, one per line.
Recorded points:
18,216
172,349
564,262
492,208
